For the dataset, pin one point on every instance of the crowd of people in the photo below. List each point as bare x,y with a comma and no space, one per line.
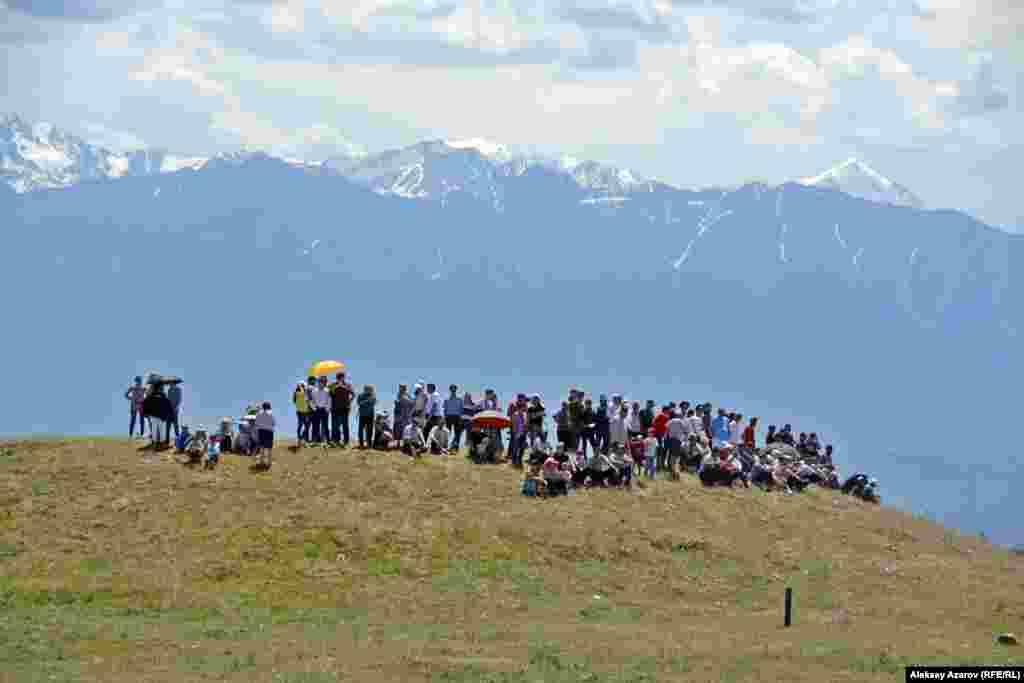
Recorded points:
601,444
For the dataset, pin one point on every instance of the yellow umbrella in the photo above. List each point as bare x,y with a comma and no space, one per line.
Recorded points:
326,367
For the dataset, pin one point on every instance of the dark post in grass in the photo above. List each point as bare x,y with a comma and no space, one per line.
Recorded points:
789,606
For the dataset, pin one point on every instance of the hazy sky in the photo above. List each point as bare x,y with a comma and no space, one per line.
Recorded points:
691,92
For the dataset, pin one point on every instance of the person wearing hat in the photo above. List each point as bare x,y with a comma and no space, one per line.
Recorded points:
135,395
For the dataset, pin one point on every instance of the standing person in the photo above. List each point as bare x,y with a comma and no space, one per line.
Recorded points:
453,415
403,411
321,408
517,443
576,419
419,407
720,429
300,398
587,434
535,414
562,423
136,394
341,406
367,406
750,435
647,417
635,424
174,397
469,409
434,409
618,426
736,428
769,438
650,453
676,433
706,418
660,427
601,424
264,423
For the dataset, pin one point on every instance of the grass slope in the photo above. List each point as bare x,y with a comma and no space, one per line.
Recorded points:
369,567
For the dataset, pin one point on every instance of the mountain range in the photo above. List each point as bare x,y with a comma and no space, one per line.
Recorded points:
892,330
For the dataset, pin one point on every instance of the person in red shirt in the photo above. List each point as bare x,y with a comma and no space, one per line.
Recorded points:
660,430
750,434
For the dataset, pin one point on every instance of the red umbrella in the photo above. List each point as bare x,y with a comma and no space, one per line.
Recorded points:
491,419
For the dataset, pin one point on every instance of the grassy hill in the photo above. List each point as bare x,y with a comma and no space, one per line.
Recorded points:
364,566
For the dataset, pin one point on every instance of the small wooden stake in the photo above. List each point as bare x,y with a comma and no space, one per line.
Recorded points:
789,606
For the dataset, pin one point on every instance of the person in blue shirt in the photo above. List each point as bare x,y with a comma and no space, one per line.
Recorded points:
720,428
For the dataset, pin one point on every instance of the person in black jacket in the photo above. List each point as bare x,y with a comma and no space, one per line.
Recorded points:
341,405
156,407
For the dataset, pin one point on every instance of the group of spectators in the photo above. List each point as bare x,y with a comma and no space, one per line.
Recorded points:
602,443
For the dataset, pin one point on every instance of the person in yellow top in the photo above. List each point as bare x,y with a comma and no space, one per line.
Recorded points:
301,400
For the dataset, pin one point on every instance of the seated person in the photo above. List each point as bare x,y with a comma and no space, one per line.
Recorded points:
855,483
554,483
623,463
212,455
184,439
533,481
438,439
413,443
601,470
761,473
808,474
382,435
197,447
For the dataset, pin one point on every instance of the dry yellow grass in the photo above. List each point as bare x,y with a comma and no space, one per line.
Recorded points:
363,566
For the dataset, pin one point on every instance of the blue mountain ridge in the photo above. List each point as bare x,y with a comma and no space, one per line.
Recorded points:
894,335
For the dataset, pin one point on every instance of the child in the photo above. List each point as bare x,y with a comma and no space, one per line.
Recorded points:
212,455
412,440
184,440
264,424
553,480
651,453
197,446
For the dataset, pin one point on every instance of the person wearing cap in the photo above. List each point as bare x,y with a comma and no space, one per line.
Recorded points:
135,395
453,406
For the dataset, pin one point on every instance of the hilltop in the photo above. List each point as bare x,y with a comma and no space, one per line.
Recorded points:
366,566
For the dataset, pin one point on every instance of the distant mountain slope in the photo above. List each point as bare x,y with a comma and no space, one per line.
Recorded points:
856,178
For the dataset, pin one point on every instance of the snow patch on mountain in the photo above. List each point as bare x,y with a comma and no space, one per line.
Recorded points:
857,178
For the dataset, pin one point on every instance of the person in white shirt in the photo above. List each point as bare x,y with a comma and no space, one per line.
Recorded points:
636,428
736,430
412,440
438,439
264,423
321,408
618,427
434,408
674,443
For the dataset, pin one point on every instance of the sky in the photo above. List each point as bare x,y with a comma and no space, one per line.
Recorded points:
694,93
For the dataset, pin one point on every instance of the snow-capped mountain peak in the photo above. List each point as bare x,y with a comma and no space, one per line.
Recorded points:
486,148
855,177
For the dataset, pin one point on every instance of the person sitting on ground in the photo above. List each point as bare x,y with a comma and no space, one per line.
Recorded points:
438,439
813,446
533,481
623,463
854,483
801,443
698,448
761,473
383,437
212,455
197,446
554,484
413,443
181,443
808,474
601,470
